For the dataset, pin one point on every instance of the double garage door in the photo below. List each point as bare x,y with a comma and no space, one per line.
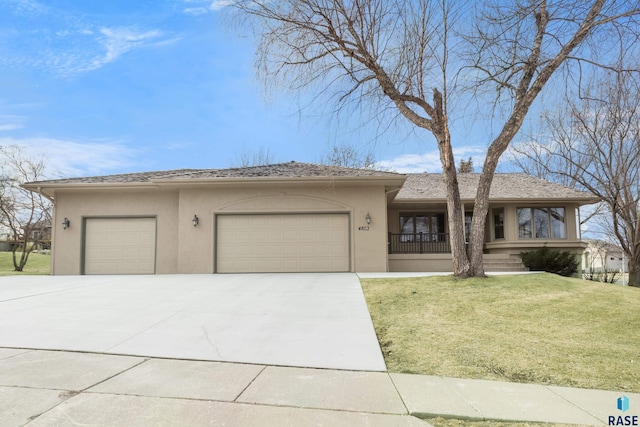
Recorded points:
244,244
282,243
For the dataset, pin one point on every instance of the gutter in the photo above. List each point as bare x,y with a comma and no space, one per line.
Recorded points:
233,181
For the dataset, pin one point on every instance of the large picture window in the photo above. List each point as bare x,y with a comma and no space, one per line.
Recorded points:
431,225
541,223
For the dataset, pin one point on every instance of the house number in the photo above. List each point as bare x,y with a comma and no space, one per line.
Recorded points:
363,228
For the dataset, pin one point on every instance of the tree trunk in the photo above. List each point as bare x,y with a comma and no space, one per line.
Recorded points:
481,209
481,205
461,266
634,271
454,204
18,265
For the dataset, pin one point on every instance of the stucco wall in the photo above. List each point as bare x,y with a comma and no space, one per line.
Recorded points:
67,244
420,262
182,248
368,247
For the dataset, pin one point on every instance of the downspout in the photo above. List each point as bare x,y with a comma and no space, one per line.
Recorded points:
39,189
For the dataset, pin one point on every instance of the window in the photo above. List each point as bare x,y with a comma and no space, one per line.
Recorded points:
468,217
524,223
498,223
430,225
558,227
541,223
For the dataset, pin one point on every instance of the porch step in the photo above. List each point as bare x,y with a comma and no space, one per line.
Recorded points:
503,263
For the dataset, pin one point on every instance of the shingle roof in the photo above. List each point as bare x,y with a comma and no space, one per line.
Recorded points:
280,170
505,186
417,187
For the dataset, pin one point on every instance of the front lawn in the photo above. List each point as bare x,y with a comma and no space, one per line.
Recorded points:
538,328
37,264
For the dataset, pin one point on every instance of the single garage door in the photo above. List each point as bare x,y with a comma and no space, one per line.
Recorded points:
120,246
282,243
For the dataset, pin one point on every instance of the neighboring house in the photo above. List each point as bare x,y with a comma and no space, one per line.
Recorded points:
600,256
291,217
40,231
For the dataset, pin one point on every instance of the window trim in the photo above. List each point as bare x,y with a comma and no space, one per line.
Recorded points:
493,220
550,220
428,214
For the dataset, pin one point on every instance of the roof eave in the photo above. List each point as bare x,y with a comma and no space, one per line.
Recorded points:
580,200
49,189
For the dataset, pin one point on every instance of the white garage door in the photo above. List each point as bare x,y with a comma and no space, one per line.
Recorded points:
120,246
282,243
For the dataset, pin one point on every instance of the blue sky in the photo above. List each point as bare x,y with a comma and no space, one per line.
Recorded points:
100,87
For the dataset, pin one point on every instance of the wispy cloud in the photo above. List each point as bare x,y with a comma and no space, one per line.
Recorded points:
11,122
66,43
68,158
204,6
195,10
430,161
118,41
11,126
27,6
219,4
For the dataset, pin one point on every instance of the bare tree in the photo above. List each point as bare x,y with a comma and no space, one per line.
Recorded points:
258,157
25,214
466,166
401,55
349,156
595,143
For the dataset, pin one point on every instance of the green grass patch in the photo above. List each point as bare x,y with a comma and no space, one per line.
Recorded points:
538,328
37,264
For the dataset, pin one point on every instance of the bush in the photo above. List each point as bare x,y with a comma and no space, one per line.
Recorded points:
605,275
563,263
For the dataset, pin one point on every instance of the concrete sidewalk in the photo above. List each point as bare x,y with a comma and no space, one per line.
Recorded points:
60,388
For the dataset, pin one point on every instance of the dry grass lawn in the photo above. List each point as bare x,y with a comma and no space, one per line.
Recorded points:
539,328
446,422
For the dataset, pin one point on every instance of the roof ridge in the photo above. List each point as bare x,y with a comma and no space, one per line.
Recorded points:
275,170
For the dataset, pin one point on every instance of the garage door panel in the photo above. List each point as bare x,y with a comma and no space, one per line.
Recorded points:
120,246
282,243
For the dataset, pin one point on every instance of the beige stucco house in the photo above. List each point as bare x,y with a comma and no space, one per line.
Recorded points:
292,217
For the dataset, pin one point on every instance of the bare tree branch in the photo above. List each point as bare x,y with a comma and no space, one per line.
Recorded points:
25,215
398,54
595,145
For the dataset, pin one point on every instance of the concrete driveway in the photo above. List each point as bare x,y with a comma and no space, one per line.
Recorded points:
304,320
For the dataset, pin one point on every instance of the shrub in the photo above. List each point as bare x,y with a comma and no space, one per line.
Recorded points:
563,263
606,276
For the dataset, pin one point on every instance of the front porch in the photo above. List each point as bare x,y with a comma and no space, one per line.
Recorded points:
418,243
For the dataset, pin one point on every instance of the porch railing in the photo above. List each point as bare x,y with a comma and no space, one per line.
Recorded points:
419,243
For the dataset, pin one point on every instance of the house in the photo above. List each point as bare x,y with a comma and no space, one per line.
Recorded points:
291,217
40,232
600,256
